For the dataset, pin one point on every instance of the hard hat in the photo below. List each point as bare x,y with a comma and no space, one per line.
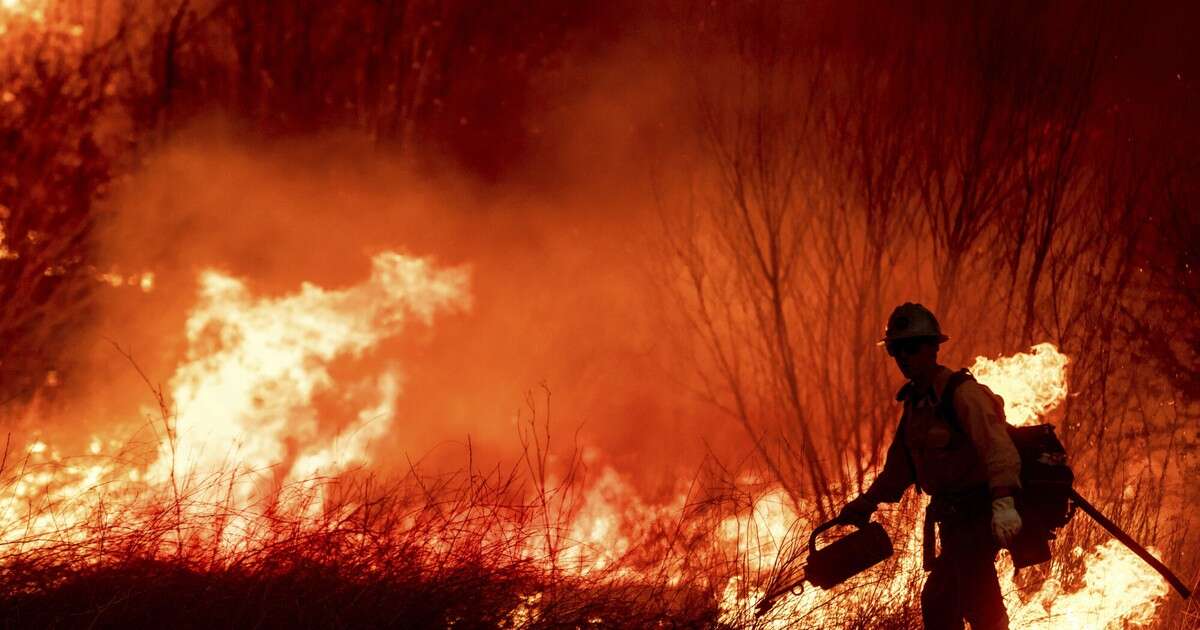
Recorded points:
911,320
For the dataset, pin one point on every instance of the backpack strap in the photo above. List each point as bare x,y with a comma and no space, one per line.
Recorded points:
945,406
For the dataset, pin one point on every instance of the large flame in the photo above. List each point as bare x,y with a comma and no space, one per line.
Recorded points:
1031,384
244,422
1119,590
244,396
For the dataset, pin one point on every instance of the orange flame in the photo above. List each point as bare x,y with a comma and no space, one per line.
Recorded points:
245,423
1119,589
245,393
1031,384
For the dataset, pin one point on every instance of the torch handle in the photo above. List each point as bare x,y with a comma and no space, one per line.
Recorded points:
1132,544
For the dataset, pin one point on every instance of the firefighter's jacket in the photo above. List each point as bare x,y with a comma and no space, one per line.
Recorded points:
945,460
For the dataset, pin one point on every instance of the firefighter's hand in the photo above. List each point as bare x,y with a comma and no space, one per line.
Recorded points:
857,512
1006,523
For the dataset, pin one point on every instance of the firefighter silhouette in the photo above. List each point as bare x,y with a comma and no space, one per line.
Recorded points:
958,451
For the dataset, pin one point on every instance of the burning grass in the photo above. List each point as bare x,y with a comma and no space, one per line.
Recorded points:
501,548
461,550
468,550
230,517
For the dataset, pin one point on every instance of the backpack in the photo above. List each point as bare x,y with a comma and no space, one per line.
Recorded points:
1044,502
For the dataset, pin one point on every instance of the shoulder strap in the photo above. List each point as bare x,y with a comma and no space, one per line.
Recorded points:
946,402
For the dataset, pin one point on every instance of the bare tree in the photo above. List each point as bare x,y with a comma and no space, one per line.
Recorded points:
847,177
742,245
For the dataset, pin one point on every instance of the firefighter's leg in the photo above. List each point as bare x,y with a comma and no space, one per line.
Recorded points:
940,599
963,583
982,602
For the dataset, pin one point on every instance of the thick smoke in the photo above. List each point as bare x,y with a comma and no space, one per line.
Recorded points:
559,257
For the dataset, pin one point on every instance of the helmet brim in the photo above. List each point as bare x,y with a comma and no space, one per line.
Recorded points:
938,338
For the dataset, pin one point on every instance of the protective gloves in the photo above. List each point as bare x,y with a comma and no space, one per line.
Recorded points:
1006,523
858,511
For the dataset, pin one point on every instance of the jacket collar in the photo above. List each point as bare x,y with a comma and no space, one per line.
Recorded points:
933,391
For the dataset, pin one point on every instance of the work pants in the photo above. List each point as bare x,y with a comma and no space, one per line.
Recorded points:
962,584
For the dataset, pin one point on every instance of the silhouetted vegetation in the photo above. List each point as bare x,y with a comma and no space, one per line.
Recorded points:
982,157
999,176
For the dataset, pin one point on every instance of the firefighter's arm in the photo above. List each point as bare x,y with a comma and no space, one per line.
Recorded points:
982,417
897,474
888,487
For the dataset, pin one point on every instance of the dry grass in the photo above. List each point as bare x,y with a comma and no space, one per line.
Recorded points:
461,550
473,549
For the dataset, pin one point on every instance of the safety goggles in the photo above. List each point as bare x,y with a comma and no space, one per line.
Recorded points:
905,347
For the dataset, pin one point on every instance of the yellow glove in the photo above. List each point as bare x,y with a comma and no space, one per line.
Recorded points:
1006,523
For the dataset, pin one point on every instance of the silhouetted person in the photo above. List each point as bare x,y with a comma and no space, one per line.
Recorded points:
959,452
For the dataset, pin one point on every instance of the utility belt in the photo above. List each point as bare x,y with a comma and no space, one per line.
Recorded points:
952,509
